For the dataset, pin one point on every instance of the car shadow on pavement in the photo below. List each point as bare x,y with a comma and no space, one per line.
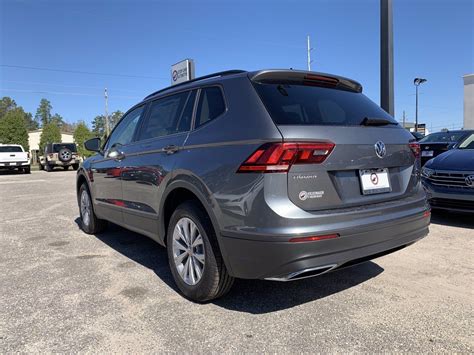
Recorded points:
452,219
250,296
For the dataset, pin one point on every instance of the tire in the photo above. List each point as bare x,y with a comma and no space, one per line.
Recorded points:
65,155
48,167
91,225
27,170
214,281
75,166
66,167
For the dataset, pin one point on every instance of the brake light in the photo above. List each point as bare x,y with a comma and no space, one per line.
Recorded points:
278,157
415,148
313,238
320,80
28,155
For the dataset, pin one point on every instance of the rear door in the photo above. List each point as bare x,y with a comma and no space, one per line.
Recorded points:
369,156
152,157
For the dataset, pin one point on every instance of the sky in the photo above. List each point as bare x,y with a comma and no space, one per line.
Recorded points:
129,46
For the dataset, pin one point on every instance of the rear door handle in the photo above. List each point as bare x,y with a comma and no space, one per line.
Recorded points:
171,149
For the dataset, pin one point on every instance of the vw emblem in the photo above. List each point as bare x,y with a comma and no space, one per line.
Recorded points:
469,180
380,149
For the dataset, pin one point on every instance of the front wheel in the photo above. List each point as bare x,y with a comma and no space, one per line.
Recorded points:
89,221
194,256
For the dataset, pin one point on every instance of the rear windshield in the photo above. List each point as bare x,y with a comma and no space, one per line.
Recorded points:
443,137
291,104
70,146
10,149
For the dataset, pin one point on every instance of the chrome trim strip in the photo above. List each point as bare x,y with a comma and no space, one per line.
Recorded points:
294,275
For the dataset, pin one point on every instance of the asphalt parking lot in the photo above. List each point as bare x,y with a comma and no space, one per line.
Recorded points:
64,291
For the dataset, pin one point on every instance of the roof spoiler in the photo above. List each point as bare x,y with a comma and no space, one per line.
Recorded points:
305,78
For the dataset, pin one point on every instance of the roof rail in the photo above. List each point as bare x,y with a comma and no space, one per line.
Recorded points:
221,73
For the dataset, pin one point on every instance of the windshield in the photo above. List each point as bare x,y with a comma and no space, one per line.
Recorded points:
70,146
10,149
443,137
290,104
468,143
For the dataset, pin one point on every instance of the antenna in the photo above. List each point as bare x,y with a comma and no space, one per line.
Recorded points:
309,54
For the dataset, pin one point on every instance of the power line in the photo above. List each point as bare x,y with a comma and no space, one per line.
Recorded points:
66,86
67,93
82,72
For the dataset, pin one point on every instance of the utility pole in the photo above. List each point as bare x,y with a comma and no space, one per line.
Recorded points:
386,57
309,54
404,120
417,82
107,126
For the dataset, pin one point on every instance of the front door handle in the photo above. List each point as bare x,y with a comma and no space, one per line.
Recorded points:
117,155
171,149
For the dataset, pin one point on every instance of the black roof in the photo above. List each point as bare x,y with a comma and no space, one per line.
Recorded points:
262,75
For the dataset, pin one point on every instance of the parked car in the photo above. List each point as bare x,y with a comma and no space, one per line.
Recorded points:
449,178
436,143
273,174
60,154
14,157
417,135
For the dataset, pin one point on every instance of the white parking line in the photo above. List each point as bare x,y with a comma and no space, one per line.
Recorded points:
20,182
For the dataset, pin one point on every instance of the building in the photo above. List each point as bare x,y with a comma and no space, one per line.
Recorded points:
34,140
468,101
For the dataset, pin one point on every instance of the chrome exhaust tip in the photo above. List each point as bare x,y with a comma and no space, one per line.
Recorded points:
304,274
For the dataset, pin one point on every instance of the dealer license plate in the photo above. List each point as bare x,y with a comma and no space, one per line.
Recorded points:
374,181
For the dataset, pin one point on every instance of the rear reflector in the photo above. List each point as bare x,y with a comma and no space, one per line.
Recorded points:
278,157
313,238
415,148
427,213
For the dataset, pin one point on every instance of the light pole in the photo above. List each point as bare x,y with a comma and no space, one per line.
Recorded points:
417,82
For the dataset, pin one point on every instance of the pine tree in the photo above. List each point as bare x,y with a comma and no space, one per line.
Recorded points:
13,128
50,134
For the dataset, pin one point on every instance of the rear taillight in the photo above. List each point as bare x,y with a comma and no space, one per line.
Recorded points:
51,156
278,157
415,148
313,238
28,155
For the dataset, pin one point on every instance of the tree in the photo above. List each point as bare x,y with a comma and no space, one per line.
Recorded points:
13,128
6,104
51,134
98,126
98,123
58,120
31,124
43,113
81,134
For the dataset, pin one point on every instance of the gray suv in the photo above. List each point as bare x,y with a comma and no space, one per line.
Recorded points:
273,174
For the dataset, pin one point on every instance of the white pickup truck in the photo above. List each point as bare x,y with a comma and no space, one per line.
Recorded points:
13,156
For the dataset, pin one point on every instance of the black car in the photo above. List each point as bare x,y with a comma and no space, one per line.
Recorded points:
449,178
436,143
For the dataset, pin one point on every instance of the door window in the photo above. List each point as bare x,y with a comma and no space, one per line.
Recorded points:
169,115
123,133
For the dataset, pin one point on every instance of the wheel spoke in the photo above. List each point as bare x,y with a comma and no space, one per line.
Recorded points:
199,257
178,260
197,241
178,245
197,268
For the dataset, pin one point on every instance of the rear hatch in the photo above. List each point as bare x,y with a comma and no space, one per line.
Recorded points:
364,156
12,154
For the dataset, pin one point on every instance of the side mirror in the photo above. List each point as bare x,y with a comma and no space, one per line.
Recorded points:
92,144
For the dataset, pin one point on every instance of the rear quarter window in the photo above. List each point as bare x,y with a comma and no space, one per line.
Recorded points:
211,105
293,104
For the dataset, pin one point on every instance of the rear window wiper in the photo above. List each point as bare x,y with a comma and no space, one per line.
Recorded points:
377,121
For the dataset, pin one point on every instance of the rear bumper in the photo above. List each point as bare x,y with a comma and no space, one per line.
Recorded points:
12,165
254,257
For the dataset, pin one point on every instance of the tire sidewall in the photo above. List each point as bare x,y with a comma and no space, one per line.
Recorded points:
86,228
200,291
